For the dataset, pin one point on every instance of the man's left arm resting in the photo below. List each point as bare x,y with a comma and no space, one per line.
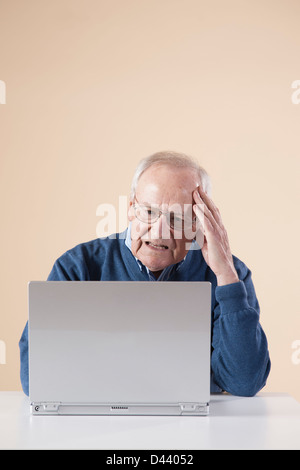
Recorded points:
240,359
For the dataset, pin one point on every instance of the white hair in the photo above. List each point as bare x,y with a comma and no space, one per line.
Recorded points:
170,158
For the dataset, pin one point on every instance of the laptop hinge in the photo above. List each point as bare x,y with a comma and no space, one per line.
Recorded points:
194,408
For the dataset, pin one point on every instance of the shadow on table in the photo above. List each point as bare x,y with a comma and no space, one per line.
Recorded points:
224,404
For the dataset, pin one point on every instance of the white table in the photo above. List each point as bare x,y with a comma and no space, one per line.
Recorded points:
267,421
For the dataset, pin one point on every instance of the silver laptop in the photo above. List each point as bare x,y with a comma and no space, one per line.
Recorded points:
119,348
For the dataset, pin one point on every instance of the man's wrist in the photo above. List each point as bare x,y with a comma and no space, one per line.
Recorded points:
227,278
232,297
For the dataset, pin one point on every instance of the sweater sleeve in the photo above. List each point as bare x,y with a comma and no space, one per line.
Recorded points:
24,372
240,359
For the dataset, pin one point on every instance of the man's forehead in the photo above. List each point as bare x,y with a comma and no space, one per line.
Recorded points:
163,172
175,202
167,185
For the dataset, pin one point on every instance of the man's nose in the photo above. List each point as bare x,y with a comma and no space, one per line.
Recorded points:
160,229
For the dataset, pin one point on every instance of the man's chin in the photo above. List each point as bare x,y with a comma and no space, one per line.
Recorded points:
155,263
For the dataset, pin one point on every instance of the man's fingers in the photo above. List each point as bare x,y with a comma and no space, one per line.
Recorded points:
205,220
211,211
203,211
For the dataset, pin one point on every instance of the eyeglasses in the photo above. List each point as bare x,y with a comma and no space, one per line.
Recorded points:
149,215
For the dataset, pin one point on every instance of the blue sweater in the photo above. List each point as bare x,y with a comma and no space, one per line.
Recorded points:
240,362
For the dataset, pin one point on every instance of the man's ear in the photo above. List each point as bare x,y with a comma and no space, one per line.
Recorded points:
130,212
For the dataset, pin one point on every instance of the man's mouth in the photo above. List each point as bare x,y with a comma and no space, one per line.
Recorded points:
157,246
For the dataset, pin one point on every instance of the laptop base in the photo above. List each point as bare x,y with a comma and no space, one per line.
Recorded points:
180,409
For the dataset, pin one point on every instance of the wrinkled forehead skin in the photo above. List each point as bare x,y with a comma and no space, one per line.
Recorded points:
167,187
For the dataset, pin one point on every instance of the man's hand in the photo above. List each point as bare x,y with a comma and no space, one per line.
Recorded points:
215,249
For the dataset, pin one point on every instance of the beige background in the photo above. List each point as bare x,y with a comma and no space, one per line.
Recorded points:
92,86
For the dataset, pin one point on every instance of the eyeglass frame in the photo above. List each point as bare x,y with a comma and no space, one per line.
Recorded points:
160,213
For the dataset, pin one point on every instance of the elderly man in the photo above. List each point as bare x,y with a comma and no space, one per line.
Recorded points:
176,234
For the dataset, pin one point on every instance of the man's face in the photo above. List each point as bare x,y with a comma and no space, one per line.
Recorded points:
168,189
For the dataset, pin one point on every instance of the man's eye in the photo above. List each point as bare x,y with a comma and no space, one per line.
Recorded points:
147,213
175,218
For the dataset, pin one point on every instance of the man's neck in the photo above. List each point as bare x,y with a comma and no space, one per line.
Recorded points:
157,273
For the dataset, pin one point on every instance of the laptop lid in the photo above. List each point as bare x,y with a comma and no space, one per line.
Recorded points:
119,347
